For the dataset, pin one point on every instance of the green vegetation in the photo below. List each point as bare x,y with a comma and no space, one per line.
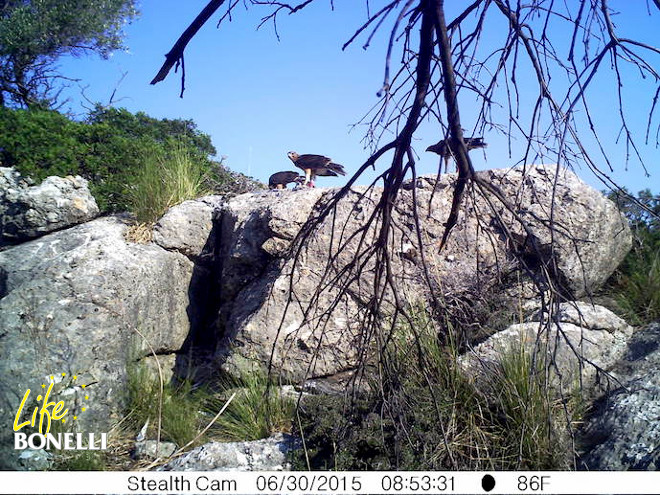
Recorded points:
164,181
638,286
86,460
636,283
529,419
133,161
429,416
257,411
175,410
34,34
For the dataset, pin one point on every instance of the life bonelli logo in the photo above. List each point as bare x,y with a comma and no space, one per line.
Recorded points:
39,414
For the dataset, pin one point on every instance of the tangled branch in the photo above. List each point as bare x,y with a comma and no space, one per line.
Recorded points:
525,88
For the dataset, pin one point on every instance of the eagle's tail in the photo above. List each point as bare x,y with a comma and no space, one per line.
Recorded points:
475,142
335,167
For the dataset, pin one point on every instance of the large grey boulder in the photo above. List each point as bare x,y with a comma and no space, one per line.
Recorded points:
581,340
271,306
87,303
28,211
268,454
623,432
574,225
186,228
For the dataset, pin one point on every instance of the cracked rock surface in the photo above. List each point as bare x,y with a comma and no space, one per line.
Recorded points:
623,430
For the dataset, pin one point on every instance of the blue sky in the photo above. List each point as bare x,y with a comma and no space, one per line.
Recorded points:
259,98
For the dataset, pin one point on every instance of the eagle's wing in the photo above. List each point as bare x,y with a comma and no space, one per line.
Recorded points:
312,161
336,168
331,169
324,172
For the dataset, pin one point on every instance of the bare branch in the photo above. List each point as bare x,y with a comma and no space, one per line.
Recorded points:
175,55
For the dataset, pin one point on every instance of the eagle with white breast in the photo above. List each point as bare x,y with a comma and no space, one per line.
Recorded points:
314,165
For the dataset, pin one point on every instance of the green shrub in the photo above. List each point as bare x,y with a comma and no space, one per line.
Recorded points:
40,143
635,285
111,148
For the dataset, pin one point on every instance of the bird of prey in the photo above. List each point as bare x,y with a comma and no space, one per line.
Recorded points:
279,180
445,149
314,165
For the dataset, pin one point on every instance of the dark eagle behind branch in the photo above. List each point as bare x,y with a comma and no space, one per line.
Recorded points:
314,165
446,150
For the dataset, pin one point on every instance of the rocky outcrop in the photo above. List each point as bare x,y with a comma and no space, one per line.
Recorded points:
222,276
269,454
86,303
622,431
270,302
580,340
28,211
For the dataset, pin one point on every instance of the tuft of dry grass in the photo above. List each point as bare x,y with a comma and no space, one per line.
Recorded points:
141,233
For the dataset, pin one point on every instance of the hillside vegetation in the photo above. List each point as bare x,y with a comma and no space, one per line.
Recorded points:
636,283
124,155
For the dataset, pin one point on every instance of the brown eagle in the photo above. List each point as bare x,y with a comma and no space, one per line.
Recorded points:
279,180
446,151
314,165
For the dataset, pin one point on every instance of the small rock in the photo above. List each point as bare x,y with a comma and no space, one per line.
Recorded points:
35,460
594,332
152,449
269,454
187,227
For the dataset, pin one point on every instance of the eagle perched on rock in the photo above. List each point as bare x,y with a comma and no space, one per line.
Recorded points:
314,165
279,180
445,149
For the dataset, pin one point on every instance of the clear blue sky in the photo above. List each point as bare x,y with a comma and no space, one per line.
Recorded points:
259,98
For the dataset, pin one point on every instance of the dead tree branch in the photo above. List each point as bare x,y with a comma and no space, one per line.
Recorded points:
175,55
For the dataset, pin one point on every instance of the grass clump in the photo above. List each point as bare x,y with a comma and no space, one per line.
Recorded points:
173,412
528,417
164,181
81,461
258,410
637,286
424,413
181,414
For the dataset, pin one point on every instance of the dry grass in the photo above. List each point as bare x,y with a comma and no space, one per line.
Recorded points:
141,233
